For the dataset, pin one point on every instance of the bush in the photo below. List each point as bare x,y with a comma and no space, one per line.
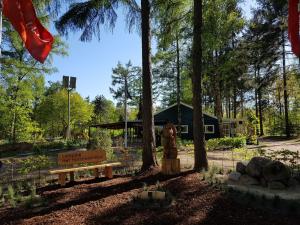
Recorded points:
101,139
1,196
34,163
235,142
11,196
41,148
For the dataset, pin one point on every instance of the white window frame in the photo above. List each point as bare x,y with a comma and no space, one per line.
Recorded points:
185,129
206,129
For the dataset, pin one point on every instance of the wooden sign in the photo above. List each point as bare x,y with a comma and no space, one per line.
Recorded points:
76,157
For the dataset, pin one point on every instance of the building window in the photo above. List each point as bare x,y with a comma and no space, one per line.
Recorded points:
209,129
183,128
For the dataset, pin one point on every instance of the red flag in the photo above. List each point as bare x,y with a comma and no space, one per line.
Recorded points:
37,39
293,24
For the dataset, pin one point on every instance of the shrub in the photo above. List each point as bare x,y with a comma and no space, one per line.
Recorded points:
100,139
11,196
235,142
1,196
245,154
34,163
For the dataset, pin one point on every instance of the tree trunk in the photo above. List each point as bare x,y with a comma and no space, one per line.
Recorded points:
242,104
255,94
178,86
199,142
218,97
149,158
285,95
261,125
234,102
259,101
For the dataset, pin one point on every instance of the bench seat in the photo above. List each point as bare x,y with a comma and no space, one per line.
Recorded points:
76,169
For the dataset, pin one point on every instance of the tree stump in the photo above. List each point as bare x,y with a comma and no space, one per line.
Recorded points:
170,166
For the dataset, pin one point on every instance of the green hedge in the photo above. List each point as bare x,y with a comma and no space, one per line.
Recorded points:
61,144
227,142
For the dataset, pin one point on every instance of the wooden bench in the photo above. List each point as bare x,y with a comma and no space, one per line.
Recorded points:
70,161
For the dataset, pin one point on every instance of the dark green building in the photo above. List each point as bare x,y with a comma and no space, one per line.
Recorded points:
211,123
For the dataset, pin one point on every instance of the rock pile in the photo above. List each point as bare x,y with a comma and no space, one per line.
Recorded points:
263,171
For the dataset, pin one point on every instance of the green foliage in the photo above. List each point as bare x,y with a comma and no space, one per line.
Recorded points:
22,82
52,113
11,195
245,154
235,142
131,75
101,139
2,200
210,175
104,111
34,163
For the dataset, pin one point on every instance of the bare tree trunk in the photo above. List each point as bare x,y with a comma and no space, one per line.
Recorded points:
285,95
261,125
279,101
255,94
198,123
242,104
178,85
234,102
218,98
149,158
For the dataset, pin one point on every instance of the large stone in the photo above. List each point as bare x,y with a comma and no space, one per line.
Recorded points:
247,180
256,165
241,167
276,171
234,176
276,185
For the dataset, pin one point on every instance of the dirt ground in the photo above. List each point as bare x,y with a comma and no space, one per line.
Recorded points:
226,160
111,202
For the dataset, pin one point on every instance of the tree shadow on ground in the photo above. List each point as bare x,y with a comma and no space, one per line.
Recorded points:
92,194
192,207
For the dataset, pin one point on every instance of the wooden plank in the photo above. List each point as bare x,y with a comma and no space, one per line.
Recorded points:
76,157
108,172
75,169
62,179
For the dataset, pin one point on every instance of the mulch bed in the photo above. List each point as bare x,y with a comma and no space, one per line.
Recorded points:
111,202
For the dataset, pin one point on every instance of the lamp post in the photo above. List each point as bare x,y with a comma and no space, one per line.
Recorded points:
125,112
69,83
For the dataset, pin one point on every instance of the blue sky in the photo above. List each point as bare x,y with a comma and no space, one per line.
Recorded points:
92,62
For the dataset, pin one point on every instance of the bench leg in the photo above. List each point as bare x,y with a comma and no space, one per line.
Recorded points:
96,173
72,177
108,172
62,179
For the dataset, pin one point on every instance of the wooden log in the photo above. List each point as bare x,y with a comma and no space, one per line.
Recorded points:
62,179
108,172
170,166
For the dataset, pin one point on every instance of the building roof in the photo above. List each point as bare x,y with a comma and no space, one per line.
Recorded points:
121,125
186,105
